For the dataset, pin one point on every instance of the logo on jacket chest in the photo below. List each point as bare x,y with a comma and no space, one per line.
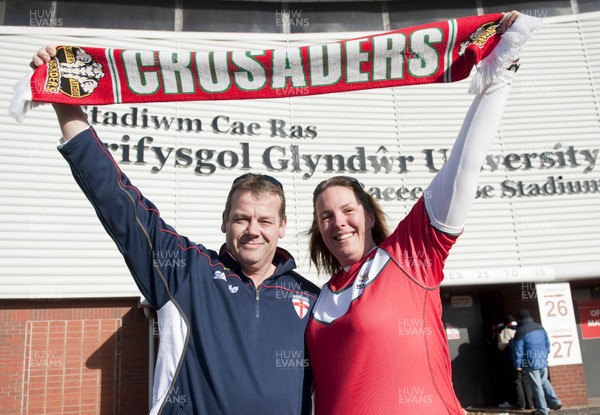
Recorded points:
301,304
219,275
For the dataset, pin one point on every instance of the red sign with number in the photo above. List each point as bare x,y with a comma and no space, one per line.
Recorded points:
589,318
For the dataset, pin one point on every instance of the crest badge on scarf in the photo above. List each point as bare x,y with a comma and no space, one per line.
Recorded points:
73,73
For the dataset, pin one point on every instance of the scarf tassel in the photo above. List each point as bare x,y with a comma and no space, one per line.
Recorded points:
22,100
504,54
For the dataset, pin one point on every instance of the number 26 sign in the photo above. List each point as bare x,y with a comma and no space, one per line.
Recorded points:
558,318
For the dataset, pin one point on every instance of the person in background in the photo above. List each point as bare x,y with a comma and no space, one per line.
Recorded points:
376,338
531,349
231,323
506,333
520,390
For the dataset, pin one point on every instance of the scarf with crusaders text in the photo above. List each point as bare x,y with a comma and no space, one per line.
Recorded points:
428,53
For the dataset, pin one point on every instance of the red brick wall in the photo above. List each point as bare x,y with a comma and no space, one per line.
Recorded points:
73,357
569,384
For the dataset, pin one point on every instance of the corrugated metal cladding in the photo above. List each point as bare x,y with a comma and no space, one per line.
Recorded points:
52,245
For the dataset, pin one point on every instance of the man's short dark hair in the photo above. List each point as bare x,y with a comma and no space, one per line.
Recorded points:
256,184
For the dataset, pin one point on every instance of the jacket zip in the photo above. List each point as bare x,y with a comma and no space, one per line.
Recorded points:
257,303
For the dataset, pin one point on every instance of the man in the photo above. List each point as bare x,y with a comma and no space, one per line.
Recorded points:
531,349
231,323
521,391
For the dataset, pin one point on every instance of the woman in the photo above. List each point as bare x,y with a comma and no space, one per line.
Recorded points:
376,340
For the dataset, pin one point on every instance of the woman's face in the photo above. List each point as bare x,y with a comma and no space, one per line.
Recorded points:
344,224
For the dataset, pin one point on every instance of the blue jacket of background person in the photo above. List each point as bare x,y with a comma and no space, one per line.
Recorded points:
531,345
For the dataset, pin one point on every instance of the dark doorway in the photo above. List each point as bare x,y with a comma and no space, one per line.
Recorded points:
467,342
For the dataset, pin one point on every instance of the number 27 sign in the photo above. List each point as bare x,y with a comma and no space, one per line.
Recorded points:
558,318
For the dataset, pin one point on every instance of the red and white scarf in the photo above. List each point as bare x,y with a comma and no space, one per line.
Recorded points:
429,53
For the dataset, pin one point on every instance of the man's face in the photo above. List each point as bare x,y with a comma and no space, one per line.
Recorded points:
252,230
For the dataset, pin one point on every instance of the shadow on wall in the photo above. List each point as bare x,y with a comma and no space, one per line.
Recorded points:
468,348
79,356
122,362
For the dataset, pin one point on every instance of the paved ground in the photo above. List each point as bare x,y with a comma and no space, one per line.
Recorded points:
595,410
